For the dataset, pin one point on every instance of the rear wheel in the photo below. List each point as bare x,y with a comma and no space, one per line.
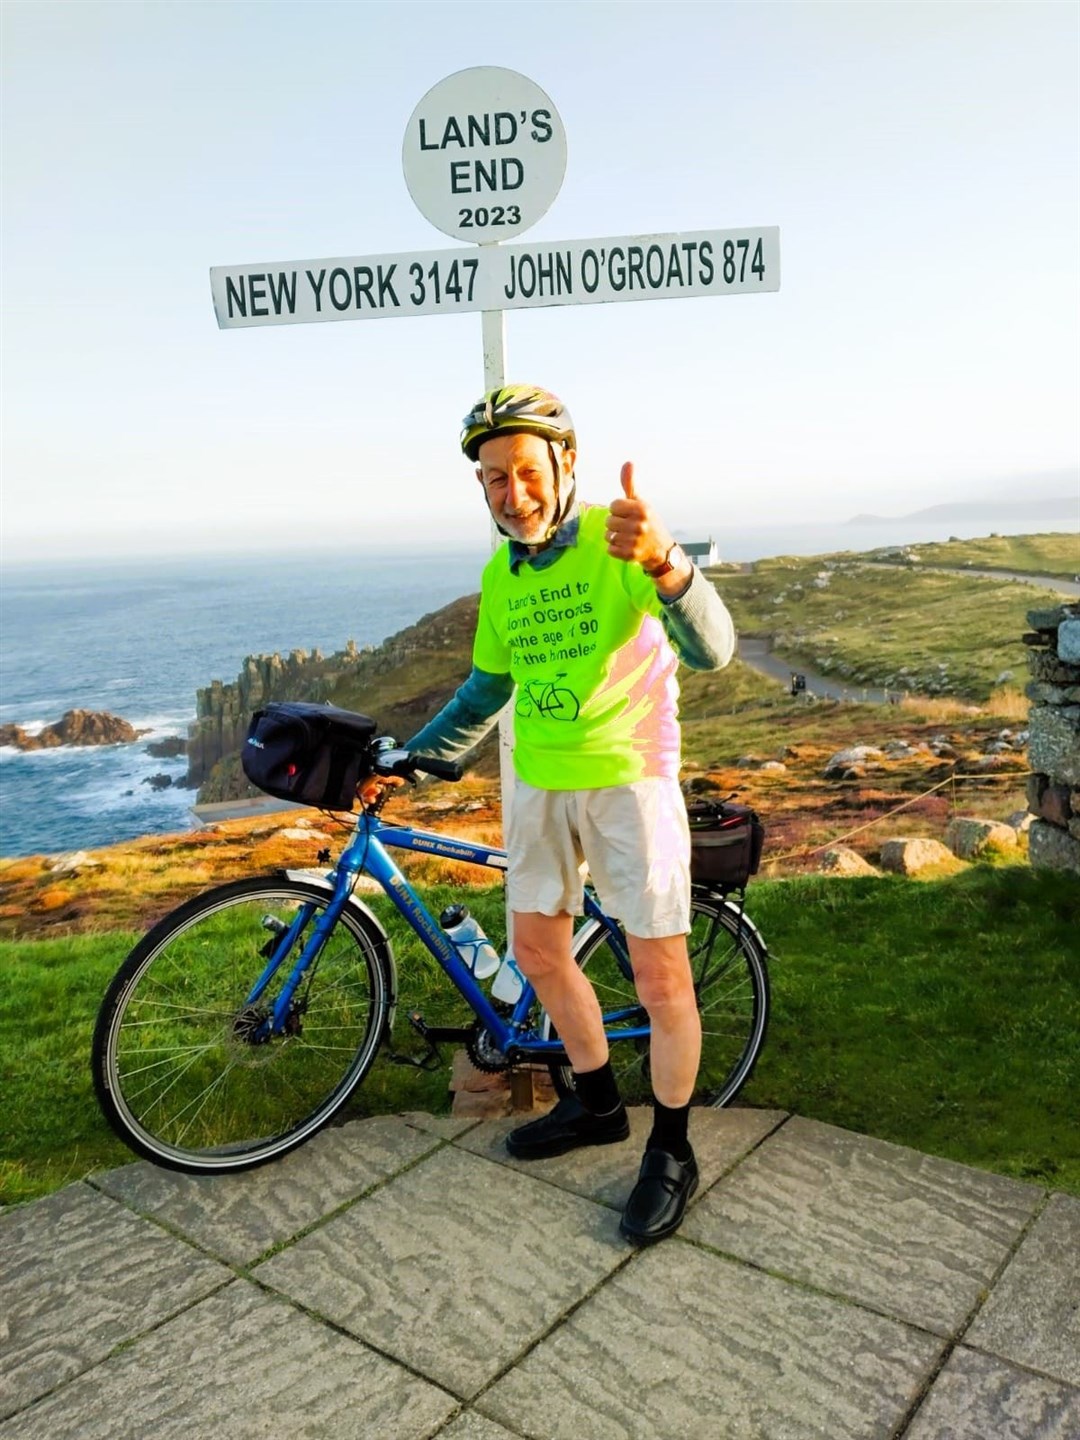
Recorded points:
731,981
185,1068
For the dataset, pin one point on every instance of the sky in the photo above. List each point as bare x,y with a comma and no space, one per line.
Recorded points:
920,160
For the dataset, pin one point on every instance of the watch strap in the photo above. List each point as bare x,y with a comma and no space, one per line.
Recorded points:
666,565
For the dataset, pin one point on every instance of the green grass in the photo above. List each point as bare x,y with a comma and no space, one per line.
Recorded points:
942,1015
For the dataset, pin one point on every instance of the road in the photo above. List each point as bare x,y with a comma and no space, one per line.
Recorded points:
757,654
1048,582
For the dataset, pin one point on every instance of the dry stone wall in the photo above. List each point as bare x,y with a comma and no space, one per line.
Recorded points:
1054,742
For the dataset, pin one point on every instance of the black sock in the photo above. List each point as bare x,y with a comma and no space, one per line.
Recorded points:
669,1131
598,1090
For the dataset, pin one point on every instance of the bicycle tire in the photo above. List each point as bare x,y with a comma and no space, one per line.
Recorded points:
176,1071
728,959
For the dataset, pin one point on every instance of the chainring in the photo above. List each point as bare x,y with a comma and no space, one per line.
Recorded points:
483,1052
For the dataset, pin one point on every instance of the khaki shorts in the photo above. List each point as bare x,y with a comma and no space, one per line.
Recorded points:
633,839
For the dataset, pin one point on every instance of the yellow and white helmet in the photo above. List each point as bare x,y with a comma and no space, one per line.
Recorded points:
517,410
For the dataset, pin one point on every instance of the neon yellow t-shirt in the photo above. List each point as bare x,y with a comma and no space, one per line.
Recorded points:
597,700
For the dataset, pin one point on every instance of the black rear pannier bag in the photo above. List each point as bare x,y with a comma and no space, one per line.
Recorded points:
725,843
313,754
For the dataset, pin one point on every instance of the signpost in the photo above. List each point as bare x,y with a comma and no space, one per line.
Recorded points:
504,277
484,156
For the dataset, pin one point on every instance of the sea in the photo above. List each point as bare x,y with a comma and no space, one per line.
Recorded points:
138,638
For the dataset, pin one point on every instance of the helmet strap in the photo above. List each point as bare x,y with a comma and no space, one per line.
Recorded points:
565,493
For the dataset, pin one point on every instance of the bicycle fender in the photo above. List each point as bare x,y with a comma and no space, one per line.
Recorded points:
372,923
740,914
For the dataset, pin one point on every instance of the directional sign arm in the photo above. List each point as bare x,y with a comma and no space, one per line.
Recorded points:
503,277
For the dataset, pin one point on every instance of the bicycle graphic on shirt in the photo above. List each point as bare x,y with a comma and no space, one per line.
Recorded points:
547,698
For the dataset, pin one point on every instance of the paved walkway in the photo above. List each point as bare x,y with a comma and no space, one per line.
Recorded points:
401,1277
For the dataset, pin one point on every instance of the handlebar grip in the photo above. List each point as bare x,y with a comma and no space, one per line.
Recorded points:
444,769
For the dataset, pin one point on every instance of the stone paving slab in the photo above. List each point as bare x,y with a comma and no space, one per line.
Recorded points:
474,1426
80,1275
453,1267
240,1363
606,1173
446,1127
1033,1313
977,1397
684,1345
239,1217
915,1236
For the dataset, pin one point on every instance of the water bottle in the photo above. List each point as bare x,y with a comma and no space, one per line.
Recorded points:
509,982
472,944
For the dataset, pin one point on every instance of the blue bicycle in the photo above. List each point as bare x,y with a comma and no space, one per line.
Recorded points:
242,1023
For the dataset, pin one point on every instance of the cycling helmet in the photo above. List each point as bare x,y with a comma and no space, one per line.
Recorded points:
517,410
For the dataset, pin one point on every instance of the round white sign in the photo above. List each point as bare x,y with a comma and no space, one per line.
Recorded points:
484,154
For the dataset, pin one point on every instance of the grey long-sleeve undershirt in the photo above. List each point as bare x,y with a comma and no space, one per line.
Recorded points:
697,624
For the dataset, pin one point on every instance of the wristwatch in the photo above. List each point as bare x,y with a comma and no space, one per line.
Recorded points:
671,561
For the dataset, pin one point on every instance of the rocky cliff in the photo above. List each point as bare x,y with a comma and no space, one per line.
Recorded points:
401,682
222,711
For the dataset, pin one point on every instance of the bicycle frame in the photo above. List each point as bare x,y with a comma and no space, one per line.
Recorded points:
367,853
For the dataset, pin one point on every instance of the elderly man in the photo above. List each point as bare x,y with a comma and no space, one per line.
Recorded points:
586,611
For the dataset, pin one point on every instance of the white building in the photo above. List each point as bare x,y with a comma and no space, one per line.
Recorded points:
701,552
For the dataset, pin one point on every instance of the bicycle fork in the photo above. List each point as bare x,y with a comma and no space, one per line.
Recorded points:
283,938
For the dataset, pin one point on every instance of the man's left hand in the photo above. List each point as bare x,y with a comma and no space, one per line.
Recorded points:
634,530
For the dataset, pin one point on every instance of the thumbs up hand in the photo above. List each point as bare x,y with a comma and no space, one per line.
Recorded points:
634,531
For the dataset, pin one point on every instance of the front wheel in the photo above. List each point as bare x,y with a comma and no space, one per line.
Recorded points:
185,1066
731,982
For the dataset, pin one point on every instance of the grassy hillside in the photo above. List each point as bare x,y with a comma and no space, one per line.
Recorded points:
1048,554
897,628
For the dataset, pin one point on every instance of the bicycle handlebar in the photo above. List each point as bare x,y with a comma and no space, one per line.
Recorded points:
404,763
444,769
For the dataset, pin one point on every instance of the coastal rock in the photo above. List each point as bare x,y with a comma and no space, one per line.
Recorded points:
914,856
854,755
75,727
72,862
160,781
223,711
969,836
168,748
841,860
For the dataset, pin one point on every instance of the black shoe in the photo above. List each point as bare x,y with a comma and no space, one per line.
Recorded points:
659,1199
565,1128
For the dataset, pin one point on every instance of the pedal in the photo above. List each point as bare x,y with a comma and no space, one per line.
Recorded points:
431,1036
438,1034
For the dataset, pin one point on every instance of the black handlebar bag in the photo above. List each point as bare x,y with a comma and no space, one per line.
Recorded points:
725,843
312,754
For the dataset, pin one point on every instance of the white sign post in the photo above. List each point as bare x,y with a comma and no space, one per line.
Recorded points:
484,156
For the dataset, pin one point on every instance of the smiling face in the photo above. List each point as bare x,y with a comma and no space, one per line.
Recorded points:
518,479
